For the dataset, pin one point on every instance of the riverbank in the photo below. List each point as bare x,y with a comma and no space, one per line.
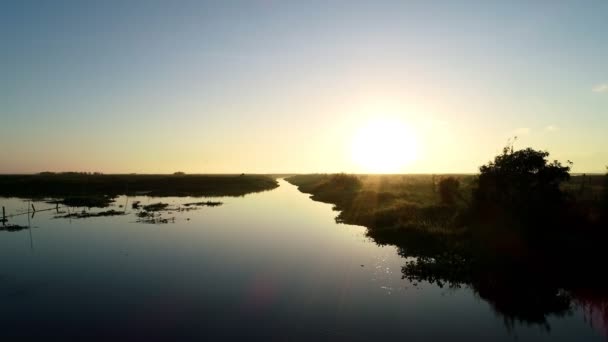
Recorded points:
526,272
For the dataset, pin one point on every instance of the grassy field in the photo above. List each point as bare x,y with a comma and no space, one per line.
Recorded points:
384,201
394,201
98,189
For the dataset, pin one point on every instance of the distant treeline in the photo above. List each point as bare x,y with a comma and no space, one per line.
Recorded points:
49,173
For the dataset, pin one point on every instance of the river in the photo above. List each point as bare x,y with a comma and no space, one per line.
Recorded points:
266,266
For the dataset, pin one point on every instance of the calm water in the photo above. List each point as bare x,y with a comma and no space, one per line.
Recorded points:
267,266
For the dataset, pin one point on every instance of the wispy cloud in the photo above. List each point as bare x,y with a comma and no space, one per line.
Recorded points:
551,128
600,88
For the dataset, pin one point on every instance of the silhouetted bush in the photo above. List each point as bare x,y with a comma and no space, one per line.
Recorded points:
523,184
604,199
448,190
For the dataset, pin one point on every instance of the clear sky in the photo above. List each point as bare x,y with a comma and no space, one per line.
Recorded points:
285,86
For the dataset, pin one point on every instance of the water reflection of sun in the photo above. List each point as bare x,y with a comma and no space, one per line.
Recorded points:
384,146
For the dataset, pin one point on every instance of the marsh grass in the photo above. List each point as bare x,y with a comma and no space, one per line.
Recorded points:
151,217
94,201
12,227
387,201
203,204
154,213
98,190
86,214
155,206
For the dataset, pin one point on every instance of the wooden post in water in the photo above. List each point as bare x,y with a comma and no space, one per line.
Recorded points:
34,209
3,215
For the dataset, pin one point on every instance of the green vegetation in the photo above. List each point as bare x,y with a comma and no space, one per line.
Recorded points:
522,234
388,202
94,201
604,198
203,204
155,206
12,227
449,190
98,190
153,213
85,214
153,218
520,187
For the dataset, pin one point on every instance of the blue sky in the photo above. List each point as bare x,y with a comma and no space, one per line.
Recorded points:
280,86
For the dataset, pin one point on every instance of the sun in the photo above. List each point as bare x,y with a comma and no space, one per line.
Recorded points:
384,146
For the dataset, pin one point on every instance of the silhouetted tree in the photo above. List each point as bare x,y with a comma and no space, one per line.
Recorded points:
605,196
448,190
522,182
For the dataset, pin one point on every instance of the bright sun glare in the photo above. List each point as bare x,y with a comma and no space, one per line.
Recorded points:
384,146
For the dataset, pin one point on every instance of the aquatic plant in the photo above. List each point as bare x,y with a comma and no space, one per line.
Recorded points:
206,203
12,227
86,214
155,206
